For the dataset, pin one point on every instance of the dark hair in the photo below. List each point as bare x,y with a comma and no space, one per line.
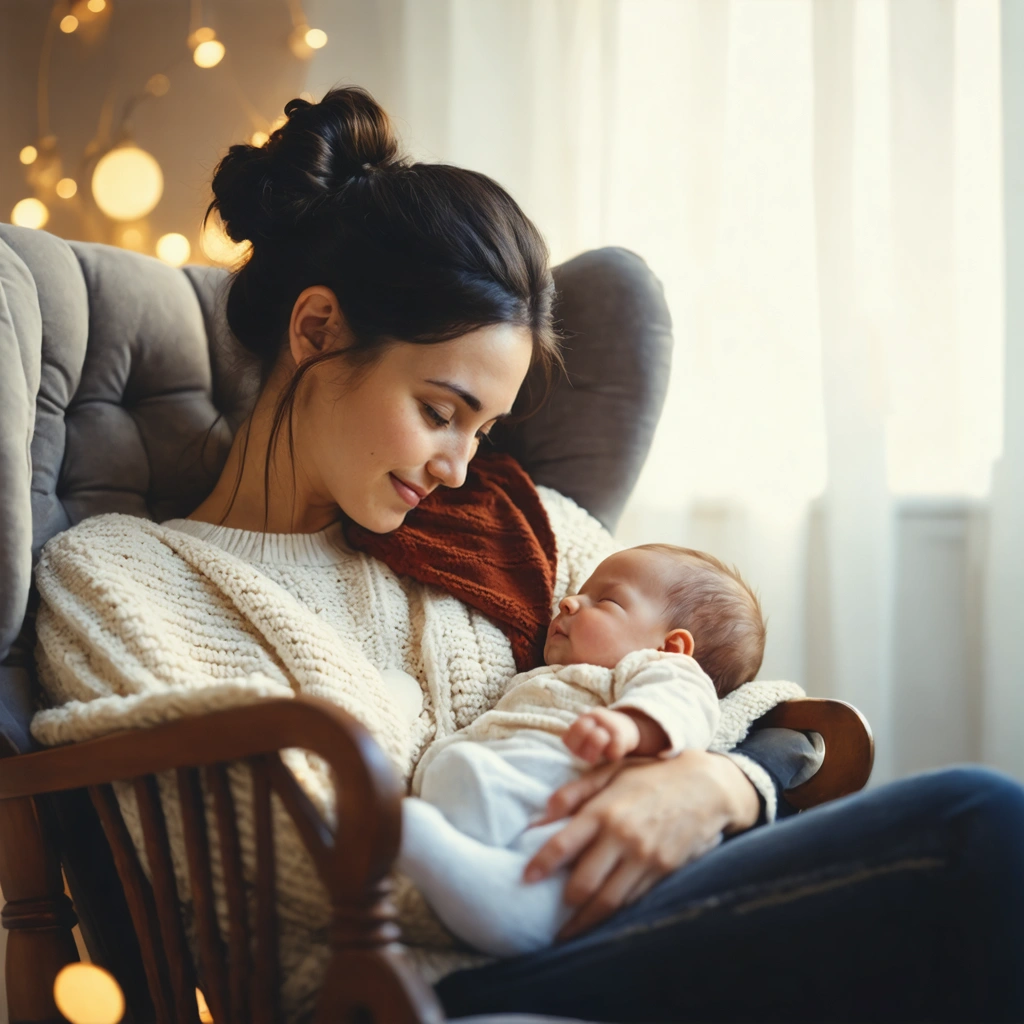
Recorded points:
414,252
717,606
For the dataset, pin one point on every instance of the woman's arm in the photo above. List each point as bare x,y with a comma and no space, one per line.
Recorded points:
633,822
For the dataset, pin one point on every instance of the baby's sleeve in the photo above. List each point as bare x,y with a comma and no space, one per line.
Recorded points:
674,691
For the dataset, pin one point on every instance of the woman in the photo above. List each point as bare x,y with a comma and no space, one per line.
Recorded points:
396,309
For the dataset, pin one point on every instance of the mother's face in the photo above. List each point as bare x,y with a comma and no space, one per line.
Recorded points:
377,446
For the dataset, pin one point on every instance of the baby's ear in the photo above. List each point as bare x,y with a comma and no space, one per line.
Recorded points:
679,641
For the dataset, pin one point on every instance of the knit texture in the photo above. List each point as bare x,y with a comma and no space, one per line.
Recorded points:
488,543
141,623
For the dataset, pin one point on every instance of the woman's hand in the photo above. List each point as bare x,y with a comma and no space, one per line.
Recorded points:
635,821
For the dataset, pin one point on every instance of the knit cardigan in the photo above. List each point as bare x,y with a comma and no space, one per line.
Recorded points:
141,623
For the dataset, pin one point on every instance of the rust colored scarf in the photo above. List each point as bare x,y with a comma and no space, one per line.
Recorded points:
488,543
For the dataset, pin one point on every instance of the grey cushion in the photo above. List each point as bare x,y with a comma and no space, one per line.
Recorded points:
122,375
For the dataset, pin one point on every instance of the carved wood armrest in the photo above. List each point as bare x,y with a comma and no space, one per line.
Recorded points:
368,970
849,747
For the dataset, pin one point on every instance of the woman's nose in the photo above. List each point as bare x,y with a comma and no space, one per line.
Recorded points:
450,467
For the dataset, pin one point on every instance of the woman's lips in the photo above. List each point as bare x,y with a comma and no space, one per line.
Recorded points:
405,492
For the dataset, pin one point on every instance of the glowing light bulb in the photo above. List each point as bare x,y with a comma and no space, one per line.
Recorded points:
205,1017
316,38
173,248
158,85
67,187
127,183
258,138
131,238
96,5
30,213
218,248
87,994
209,54
28,155
68,24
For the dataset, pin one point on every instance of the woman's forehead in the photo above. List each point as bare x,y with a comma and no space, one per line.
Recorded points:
487,363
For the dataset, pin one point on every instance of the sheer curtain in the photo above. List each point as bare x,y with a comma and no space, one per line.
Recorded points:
819,187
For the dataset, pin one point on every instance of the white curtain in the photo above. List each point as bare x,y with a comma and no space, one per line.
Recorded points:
818,184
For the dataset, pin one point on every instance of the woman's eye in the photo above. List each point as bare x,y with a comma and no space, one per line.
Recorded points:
435,416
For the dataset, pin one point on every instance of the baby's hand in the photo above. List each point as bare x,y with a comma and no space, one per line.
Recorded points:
602,734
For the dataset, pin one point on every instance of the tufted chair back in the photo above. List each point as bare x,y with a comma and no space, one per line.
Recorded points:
121,388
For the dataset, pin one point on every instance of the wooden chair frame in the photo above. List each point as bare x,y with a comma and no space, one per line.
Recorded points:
368,977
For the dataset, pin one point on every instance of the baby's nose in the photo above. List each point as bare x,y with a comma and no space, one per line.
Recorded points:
569,605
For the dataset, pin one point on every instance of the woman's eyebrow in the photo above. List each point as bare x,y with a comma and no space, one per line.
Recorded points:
470,399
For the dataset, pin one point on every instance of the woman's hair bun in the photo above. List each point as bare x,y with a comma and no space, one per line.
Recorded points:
270,191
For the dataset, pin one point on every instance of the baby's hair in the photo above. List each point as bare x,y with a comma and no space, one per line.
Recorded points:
717,606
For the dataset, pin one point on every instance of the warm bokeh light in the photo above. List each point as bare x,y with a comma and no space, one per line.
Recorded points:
279,122
97,5
30,213
209,54
67,187
87,994
307,96
205,1017
28,154
173,248
316,38
68,23
218,247
131,238
127,183
258,138
201,35
158,85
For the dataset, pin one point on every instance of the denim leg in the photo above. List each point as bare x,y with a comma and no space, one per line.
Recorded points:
901,903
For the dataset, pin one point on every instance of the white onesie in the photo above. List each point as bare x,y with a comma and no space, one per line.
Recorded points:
465,834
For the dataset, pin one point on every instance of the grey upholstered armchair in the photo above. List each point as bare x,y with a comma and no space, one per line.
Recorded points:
120,390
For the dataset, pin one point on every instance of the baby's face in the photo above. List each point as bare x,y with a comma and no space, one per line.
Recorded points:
620,609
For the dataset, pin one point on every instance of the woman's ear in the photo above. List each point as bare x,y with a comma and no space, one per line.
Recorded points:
679,641
317,324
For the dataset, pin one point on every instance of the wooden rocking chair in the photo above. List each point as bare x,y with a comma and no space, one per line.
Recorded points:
112,366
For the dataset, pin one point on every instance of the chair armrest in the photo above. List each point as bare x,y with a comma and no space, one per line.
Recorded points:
849,747
367,969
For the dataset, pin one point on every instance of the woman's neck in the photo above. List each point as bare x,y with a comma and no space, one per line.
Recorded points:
239,498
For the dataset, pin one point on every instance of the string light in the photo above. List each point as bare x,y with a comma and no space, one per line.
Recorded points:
127,183
173,248
258,139
66,187
96,6
68,24
158,85
209,54
304,40
28,155
218,247
131,238
30,213
87,994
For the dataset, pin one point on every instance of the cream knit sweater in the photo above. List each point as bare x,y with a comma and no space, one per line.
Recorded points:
141,623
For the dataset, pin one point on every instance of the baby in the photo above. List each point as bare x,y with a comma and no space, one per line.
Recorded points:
635,664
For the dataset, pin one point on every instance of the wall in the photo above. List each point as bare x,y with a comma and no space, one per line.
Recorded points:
187,130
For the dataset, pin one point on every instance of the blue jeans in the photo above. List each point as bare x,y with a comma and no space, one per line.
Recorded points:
901,903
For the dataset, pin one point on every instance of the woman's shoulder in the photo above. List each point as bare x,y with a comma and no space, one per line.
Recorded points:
577,533
109,541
